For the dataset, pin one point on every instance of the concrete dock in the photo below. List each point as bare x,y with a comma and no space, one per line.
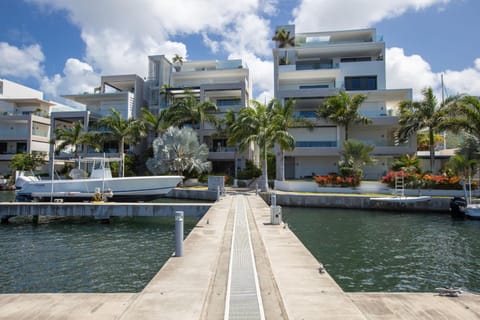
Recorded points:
100,210
199,284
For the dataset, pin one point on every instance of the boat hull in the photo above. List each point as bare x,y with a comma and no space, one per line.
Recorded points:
127,188
402,199
472,211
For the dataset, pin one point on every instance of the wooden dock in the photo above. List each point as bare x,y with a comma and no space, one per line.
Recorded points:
199,284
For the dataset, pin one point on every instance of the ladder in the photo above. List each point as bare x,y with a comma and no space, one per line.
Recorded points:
399,184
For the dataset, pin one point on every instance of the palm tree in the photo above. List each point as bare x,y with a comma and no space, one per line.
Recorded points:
461,165
465,117
342,110
282,118
178,60
154,123
122,130
254,126
229,122
407,163
72,136
282,37
189,110
425,114
356,154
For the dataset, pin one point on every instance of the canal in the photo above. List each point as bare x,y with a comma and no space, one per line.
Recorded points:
395,252
83,255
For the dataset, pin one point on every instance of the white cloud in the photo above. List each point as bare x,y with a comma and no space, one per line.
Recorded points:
119,35
21,62
466,81
316,15
250,33
414,72
78,77
209,43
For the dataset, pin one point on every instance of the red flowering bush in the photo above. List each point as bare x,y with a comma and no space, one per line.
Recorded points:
427,181
337,181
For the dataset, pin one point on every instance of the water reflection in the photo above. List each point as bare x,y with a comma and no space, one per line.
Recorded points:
386,251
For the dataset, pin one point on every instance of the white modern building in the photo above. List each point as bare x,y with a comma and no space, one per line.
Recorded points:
124,93
320,65
24,121
224,83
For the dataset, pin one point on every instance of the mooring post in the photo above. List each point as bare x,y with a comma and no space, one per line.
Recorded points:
178,233
35,219
256,189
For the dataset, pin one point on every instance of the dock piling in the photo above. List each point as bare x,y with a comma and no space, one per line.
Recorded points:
178,233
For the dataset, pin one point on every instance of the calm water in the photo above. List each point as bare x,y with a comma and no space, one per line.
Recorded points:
386,251
82,255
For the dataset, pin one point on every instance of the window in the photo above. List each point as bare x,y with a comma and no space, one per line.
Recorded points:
314,86
305,114
3,148
356,59
21,147
316,144
361,83
228,102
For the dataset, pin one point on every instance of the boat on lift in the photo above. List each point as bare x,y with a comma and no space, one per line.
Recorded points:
84,186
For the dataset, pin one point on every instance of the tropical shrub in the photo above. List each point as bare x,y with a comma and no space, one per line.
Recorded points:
336,180
413,180
250,171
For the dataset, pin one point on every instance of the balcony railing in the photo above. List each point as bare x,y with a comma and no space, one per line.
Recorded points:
316,144
221,149
305,114
316,66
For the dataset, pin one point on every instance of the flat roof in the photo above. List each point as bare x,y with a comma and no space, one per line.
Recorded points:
28,100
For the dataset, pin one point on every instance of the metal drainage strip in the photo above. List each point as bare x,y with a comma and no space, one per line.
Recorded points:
243,300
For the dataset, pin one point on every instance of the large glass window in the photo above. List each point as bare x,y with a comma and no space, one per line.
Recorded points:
228,102
361,83
21,147
3,148
356,59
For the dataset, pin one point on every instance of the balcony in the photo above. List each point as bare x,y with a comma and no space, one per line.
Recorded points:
221,153
308,71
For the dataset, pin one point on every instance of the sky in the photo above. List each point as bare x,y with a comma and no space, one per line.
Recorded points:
64,46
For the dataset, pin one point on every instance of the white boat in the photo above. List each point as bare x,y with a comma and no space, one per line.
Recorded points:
402,199
472,208
472,211
81,187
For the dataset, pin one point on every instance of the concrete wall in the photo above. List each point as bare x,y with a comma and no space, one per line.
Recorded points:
192,194
356,202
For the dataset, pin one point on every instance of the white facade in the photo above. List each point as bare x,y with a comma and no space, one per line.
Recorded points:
224,83
24,121
320,65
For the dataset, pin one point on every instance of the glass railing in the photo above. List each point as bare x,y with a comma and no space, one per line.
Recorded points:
222,149
305,114
316,144
230,64
317,66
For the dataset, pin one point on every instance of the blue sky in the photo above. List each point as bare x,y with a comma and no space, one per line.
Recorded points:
62,47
